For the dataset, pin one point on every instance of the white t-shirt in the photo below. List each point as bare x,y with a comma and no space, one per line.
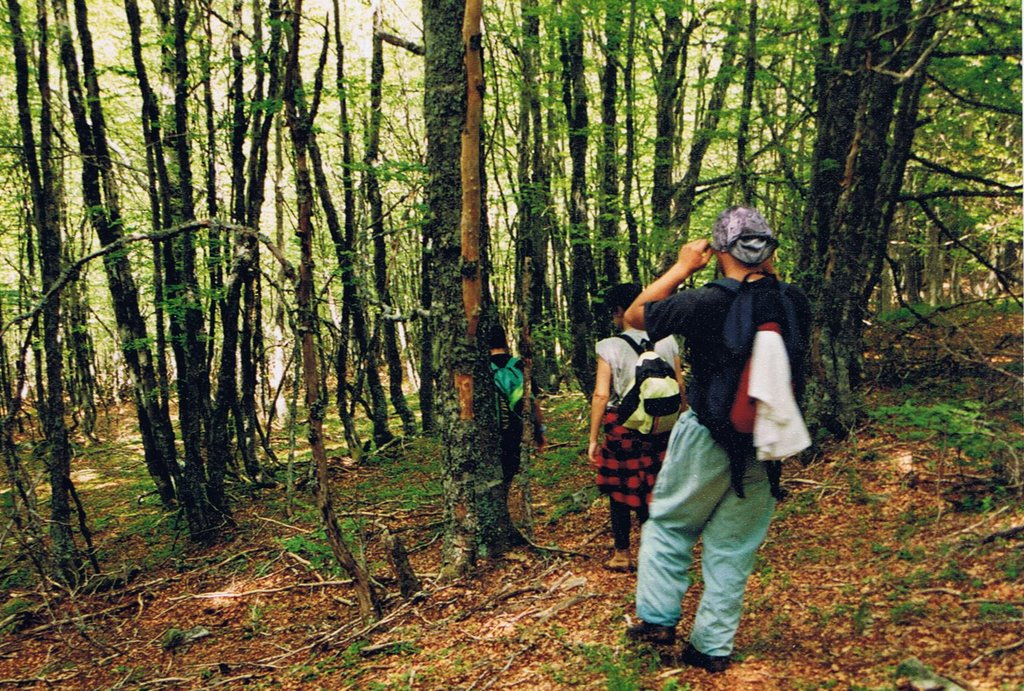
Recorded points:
622,359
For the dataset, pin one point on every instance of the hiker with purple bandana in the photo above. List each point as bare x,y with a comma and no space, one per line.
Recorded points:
696,494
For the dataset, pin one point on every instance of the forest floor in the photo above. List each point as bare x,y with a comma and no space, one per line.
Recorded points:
895,543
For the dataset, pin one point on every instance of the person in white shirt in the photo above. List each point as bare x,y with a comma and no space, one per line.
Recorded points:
626,461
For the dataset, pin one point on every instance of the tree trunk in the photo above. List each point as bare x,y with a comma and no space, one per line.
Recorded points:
187,331
343,243
46,218
685,195
105,217
380,251
583,282
632,230
441,298
743,185
608,155
534,194
227,392
675,40
857,173
300,124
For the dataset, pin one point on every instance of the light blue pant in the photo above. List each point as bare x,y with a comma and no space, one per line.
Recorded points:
693,497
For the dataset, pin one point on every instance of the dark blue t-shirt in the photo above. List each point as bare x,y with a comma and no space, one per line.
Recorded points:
698,316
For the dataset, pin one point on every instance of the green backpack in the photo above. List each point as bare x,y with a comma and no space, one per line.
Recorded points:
508,379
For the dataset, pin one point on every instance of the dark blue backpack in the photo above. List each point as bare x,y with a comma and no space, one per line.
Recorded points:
750,307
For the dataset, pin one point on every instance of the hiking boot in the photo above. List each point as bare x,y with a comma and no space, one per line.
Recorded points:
652,633
711,663
620,561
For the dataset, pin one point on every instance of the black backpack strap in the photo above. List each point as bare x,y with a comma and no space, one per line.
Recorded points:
637,348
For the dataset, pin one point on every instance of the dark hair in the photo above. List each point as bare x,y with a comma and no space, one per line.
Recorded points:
621,295
496,337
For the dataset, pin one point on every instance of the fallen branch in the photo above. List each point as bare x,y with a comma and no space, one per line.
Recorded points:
258,591
1012,531
564,604
996,651
986,519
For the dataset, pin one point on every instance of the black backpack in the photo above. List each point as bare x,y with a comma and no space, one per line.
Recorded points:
750,308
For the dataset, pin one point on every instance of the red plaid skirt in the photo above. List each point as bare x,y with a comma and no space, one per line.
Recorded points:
629,462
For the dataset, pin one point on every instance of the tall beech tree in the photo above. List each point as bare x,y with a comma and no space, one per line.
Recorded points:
867,93
46,219
100,194
582,280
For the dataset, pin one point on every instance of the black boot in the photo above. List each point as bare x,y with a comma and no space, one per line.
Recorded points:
652,633
711,663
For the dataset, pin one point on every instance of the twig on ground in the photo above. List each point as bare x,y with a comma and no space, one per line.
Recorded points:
508,664
296,528
559,550
505,593
1012,531
996,651
257,591
986,519
564,604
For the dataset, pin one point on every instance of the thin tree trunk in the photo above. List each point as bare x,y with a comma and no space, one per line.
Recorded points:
46,218
608,154
743,184
300,126
227,394
632,231
534,194
187,331
380,252
343,244
583,282
104,215
675,40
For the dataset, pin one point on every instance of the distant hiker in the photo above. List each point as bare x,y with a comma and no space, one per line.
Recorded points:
509,377
696,494
627,461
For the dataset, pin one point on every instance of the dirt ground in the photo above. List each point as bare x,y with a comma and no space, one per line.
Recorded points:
870,561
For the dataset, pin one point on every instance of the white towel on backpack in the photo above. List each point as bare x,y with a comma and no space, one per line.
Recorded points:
779,429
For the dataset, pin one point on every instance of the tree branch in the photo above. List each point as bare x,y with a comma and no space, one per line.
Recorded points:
71,272
1001,276
400,42
972,102
952,194
938,167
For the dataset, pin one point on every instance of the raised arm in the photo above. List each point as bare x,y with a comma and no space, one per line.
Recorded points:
693,256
